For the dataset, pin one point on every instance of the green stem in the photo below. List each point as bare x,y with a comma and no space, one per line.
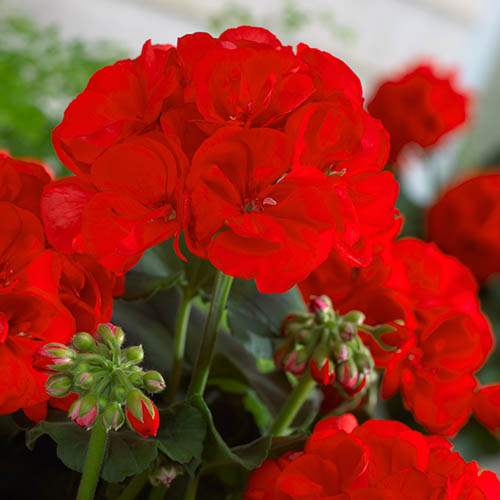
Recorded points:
93,462
191,489
293,404
135,486
179,344
158,492
220,293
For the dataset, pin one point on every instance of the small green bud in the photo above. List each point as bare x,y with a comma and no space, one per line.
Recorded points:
83,342
119,393
153,381
113,336
85,381
134,353
356,317
59,386
113,417
136,379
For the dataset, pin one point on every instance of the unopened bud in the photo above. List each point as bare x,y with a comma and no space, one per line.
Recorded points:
136,379
113,417
341,351
111,335
84,410
134,353
59,386
83,342
295,362
53,358
165,474
356,317
119,393
347,331
153,381
85,380
322,371
320,304
347,374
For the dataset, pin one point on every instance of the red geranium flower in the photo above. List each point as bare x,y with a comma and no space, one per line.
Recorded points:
418,107
474,236
251,217
119,100
487,407
377,460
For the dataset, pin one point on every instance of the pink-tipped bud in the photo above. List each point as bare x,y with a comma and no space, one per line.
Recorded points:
294,363
112,335
347,332
84,411
165,474
153,381
113,417
53,358
59,386
341,351
85,380
322,372
320,304
347,374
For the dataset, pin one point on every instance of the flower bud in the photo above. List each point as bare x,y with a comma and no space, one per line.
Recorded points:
358,387
164,474
320,304
347,374
341,351
113,417
53,358
119,393
84,410
59,386
85,381
356,317
83,342
136,379
282,351
113,336
153,381
347,331
134,353
295,362
142,415
323,372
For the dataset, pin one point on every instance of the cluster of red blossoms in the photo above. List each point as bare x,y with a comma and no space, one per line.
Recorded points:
375,461
263,156
442,337
45,296
419,107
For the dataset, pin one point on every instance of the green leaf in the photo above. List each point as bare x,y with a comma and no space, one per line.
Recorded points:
127,453
255,318
216,451
183,429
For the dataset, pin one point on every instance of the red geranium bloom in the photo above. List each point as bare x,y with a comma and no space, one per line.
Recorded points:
377,460
251,217
22,182
119,100
418,107
124,209
474,236
444,338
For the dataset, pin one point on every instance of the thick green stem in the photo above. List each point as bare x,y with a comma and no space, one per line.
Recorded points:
179,344
220,293
293,404
135,486
191,489
93,462
158,492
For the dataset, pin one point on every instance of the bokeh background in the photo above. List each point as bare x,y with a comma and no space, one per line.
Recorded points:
49,49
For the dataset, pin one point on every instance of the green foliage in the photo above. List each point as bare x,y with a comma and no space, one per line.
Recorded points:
40,73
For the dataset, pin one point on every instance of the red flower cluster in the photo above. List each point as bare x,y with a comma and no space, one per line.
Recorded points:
440,334
473,206
418,107
44,295
374,461
262,155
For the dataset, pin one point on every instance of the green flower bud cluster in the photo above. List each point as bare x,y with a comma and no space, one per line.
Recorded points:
102,374
329,345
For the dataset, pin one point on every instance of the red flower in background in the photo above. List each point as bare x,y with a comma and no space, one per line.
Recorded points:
487,407
418,107
444,337
377,460
465,222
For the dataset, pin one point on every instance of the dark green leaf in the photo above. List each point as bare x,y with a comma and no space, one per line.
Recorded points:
183,429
